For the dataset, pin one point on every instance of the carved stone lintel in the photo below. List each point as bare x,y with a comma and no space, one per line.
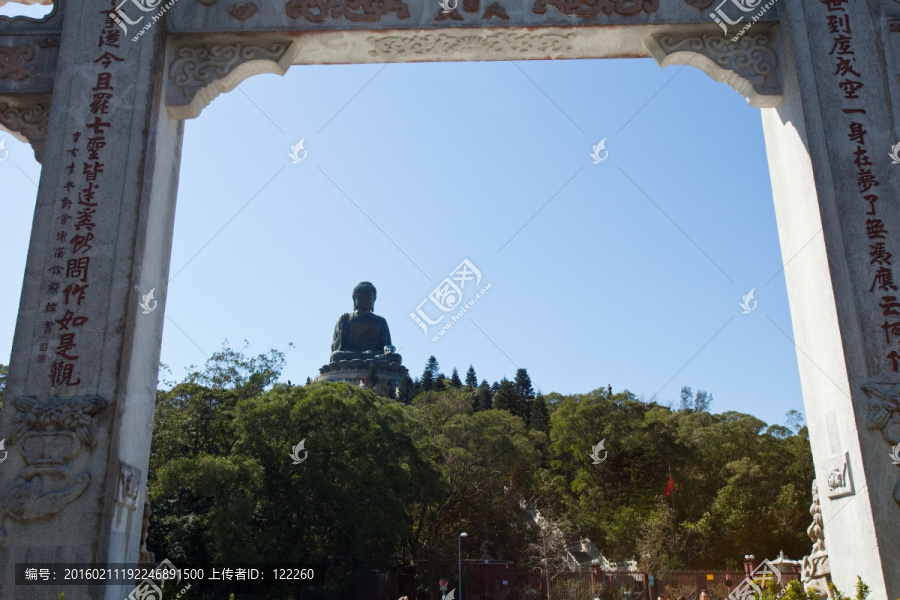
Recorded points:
456,41
592,8
749,65
318,11
199,73
25,117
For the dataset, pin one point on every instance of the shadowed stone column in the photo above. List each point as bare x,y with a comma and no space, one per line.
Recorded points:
838,212
80,397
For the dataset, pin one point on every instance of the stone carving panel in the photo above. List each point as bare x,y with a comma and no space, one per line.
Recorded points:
318,11
48,434
749,65
838,476
14,62
506,42
592,8
128,486
884,415
26,118
199,73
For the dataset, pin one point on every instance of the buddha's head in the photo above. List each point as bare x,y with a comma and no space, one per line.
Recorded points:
364,296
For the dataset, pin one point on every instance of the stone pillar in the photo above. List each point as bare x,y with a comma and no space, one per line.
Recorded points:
80,397
838,213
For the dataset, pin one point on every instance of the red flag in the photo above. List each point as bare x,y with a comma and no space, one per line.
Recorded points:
670,486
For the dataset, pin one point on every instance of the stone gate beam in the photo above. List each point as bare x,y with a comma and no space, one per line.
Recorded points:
82,380
838,213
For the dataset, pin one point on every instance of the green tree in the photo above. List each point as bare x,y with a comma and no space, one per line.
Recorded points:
525,394
483,396
471,379
506,398
371,376
540,418
245,506
429,374
455,381
406,390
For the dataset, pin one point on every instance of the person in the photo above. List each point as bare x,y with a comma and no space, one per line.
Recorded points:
704,595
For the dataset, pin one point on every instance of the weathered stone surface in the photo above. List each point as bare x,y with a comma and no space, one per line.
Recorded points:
826,74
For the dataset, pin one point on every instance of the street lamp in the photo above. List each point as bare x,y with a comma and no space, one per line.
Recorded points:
459,544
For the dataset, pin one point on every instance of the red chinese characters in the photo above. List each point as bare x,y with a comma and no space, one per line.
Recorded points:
69,282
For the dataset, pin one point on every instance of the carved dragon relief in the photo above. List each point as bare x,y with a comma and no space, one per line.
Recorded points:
48,434
200,72
749,65
25,117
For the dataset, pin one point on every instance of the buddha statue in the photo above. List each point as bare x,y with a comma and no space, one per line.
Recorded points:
363,334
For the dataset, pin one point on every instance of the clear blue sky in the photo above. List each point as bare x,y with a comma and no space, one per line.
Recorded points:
628,273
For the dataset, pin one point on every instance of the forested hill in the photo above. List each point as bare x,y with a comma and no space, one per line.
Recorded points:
384,482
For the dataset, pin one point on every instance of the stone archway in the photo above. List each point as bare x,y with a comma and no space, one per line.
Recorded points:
110,144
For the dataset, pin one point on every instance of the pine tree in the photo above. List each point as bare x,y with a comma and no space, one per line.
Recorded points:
471,380
505,398
440,382
483,396
371,376
540,417
455,381
523,385
308,381
524,395
495,387
407,390
429,375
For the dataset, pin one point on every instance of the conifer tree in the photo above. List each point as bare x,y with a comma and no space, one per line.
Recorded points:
505,398
430,374
540,417
471,379
483,396
455,381
407,390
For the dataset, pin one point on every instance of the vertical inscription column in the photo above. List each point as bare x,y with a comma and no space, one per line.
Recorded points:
80,396
838,210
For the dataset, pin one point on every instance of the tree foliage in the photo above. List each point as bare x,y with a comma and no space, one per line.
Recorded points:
386,482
